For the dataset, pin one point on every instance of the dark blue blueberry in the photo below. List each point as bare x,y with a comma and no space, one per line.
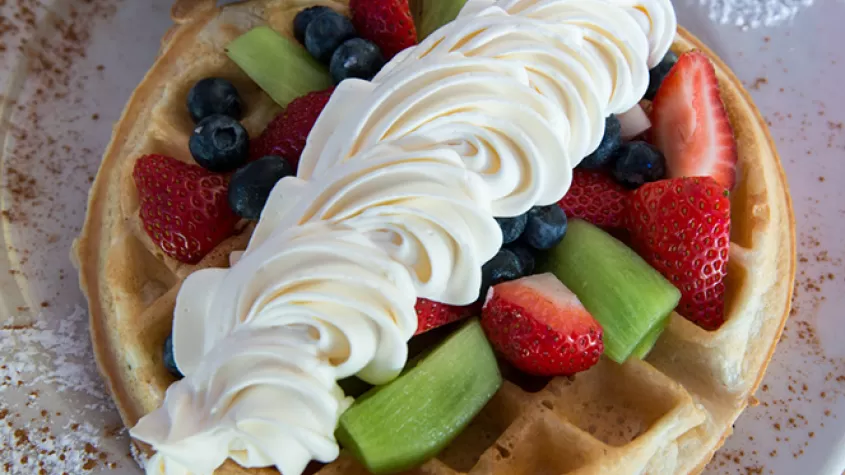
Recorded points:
526,257
219,143
545,228
251,185
658,73
212,96
304,18
169,360
504,266
638,163
326,33
356,58
512,228
611,140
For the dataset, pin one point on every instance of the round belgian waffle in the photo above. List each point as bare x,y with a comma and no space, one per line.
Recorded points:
664,415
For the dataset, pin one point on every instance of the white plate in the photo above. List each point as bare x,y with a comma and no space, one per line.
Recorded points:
795,72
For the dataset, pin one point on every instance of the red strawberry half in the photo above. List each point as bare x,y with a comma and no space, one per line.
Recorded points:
184,208
287,133
431,314
387,23
541,327
682,227
596,198
690,125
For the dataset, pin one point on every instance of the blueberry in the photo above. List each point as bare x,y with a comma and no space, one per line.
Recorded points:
304,18
545,228
638,163
326,33
169,360
212,96
356,58
527,260
658,73
611,140
504,266
219,143
512,228
251,185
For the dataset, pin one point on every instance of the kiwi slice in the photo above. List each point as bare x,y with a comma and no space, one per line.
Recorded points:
281,67
630,299
430,15
402,424
644,348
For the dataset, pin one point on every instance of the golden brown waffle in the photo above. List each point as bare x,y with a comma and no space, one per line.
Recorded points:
666,415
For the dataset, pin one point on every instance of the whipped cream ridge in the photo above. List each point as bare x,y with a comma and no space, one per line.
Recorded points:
394,199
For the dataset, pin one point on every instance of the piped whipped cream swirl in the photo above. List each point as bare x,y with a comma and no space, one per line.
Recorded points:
394,199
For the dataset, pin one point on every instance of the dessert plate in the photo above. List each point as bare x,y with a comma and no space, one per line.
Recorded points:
767,438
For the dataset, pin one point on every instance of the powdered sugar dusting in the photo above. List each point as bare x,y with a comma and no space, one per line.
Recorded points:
51,359
754,13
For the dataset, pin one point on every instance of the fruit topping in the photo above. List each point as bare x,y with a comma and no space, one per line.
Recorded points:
541,327
287,132
658,73
356,58
387,23
183,207
169,360
691,126
432,14
637,163
646,344
597,198
504,266
431,314
282,68
326,33
219,143
211,96
682,228
512,228
545,227
611,140
251,185
526,258
403,423
634,122
627,297
304,18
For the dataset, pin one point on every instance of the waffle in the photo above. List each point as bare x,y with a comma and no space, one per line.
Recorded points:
665,415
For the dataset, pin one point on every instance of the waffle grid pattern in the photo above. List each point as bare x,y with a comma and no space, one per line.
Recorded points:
664,415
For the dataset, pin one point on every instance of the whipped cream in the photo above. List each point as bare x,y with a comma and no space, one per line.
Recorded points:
394,199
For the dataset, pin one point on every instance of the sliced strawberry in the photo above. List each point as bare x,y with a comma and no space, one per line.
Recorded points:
541,327
690,124
596,198
287,133
184,207
431,314
387,23
682,227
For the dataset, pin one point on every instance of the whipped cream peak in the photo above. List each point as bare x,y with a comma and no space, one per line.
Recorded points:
222,411
394,199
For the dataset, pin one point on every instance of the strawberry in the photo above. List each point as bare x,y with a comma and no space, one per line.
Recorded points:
595,197
541,327
690,125
184,207
682,226
387,23
287,133
431,314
